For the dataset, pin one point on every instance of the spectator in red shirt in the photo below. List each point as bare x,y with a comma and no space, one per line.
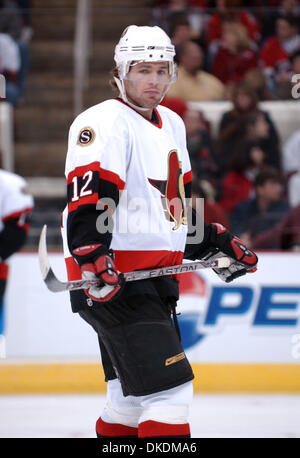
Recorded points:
277,50
238,184
230,10
235,55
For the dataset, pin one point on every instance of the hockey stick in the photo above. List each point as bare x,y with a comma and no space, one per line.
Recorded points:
55,285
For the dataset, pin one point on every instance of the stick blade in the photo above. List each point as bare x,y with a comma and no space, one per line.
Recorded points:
43,258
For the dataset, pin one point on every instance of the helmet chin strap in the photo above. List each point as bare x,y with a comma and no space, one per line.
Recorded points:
121,87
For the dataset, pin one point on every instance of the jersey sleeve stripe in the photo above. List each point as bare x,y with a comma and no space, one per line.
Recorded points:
107,175
104,174
81,170
17,214
92,199
89,183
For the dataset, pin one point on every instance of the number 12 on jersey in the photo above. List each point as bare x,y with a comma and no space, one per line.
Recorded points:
87,178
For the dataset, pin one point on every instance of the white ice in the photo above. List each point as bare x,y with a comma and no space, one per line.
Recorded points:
211,416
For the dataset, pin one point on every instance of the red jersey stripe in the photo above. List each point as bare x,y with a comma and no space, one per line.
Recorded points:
187,177
4,268
73,269
81,170
103,173
85,200
17,214
128,261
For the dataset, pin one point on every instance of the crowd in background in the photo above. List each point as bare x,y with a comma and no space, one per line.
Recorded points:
15,34
225,50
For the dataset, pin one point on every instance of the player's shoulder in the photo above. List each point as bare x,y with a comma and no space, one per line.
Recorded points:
5,39
11,180
106,113
169,114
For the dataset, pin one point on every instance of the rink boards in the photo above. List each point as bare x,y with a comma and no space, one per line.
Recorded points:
240,337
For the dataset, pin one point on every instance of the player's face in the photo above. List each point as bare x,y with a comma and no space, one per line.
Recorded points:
146,83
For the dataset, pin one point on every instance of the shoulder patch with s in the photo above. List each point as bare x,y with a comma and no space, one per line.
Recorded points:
86,136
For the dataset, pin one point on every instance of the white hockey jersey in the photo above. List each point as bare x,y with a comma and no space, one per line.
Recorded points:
15,201
149,165
15,204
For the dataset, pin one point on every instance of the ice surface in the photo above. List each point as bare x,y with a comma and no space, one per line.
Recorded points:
211,416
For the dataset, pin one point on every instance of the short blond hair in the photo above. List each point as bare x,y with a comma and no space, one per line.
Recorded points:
241,33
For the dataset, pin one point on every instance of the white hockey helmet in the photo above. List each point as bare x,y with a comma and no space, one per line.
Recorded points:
143,44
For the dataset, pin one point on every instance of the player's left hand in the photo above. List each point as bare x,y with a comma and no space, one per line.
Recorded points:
97,262
222,242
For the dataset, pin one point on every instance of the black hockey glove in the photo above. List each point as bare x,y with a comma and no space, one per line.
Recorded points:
96,261
221,242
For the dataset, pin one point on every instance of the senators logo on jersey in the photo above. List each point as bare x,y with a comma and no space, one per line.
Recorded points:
172,190
86,136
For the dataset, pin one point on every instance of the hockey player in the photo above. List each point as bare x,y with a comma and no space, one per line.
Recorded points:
128,175
15,206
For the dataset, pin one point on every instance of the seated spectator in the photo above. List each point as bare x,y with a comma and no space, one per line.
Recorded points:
25,9
200,148
260,128
180,31
210,211
284,81
235,55
245,121
181,18
284,236
15,23
238,184
255,79
269,17
254,216
194,84
10,19
291,167
277,50
230,10
166,14
9,67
